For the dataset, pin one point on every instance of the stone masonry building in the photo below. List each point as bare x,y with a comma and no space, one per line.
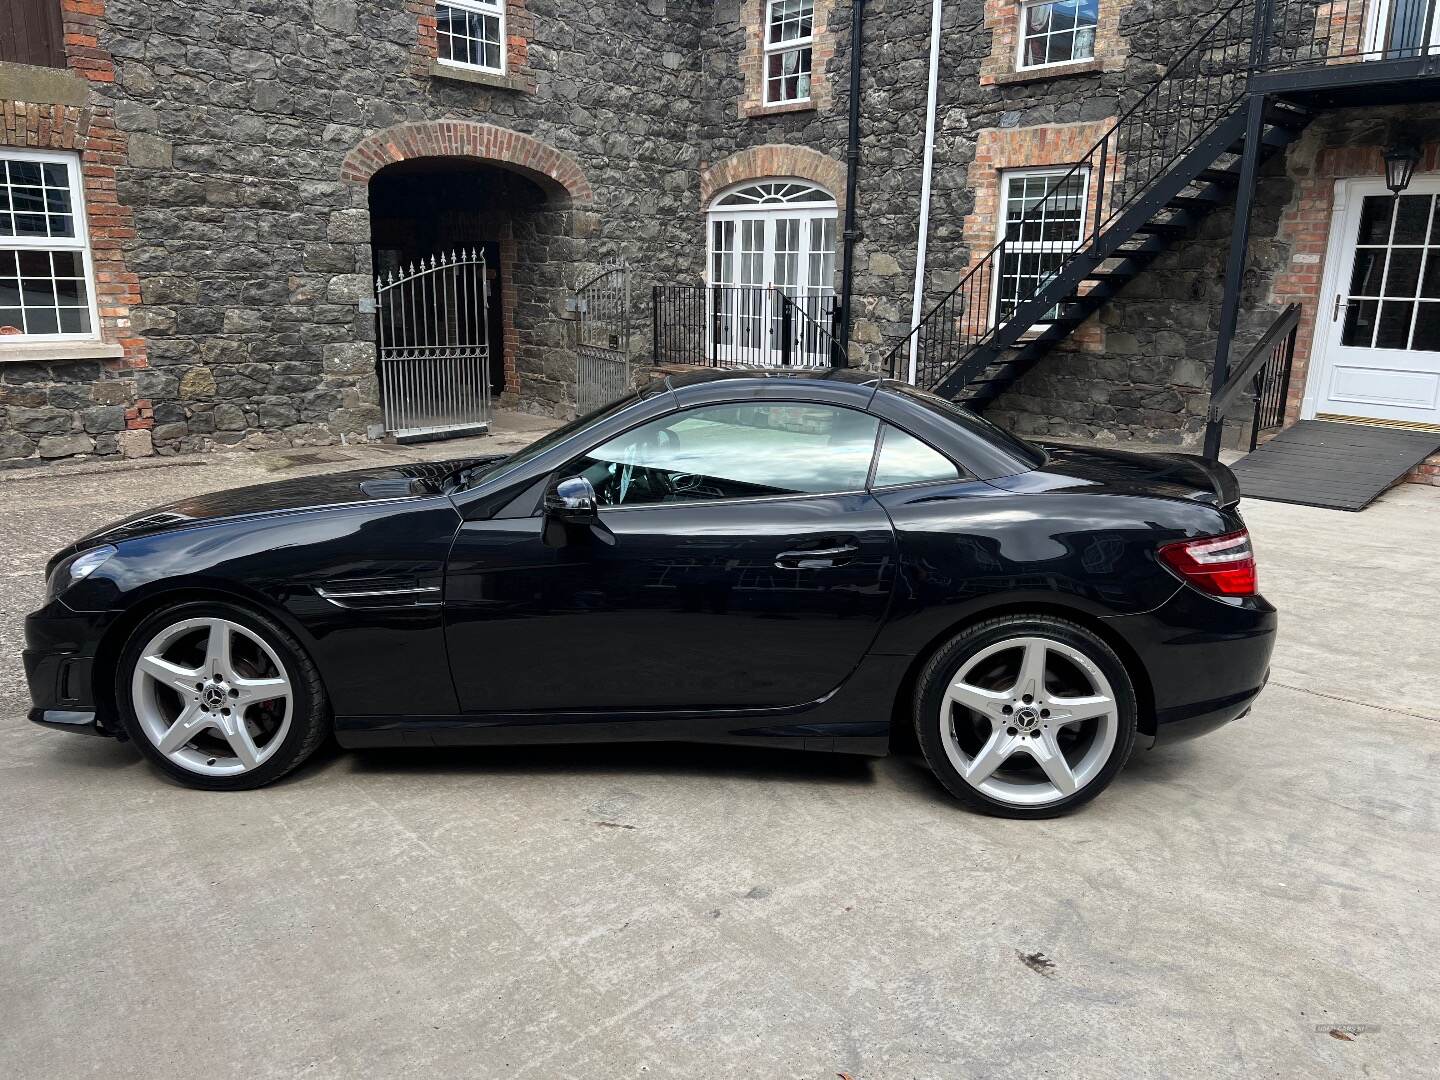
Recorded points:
196,200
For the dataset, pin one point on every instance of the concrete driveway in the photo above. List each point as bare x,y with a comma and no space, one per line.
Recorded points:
1231,907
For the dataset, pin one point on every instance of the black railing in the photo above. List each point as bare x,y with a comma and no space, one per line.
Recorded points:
1300,33
1265,370
1068,213
744,326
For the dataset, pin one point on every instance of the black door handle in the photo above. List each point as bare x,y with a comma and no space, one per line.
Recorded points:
817,558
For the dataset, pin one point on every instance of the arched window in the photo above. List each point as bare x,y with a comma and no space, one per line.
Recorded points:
777,193
767,236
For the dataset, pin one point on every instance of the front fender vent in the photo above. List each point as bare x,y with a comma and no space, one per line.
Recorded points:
379,593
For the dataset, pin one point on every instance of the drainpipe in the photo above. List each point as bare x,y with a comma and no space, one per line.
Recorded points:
852,167
926,173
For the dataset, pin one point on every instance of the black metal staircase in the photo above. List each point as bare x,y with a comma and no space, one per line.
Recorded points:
1173,156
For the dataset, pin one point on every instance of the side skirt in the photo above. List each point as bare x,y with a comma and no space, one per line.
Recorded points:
854,719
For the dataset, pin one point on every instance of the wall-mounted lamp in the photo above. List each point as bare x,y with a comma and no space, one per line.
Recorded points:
1400,161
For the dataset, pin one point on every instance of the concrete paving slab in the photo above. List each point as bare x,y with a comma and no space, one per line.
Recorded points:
712,912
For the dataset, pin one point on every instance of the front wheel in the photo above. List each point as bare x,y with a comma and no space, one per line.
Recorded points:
220,697
1025,716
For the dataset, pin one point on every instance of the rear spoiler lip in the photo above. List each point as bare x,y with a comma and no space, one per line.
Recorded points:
1222,479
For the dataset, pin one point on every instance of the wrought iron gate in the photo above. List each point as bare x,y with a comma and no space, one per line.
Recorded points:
602,307
433,337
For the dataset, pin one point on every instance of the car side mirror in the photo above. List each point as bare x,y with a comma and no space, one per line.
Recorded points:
570,505
573,501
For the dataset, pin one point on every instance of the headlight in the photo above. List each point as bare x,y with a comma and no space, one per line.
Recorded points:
76,568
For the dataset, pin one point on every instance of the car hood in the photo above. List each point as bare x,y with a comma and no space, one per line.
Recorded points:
302,493
1176,476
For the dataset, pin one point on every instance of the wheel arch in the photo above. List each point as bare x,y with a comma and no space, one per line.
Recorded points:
112,642
902,734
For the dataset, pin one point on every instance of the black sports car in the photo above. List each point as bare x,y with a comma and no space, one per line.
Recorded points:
798,560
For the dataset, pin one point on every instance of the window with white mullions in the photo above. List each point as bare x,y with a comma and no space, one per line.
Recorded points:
45,273
1394,299
789,36
471,33
1042,221
1057,32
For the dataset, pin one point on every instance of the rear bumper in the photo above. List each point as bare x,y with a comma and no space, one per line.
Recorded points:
59,659
1207,659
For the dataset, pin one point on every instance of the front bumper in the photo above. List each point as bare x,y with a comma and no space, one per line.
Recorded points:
59,657
1207,659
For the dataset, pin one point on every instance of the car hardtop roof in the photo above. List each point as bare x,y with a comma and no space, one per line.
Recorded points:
831,383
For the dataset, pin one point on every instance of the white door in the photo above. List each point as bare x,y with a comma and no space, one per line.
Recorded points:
1377,347
769,238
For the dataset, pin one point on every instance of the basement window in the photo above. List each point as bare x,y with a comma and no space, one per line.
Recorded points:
45,272
471,34
789,40
1057,32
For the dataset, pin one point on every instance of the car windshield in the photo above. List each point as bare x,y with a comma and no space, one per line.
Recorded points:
1027,452
466,478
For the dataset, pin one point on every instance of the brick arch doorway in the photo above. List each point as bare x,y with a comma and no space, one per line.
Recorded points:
424,207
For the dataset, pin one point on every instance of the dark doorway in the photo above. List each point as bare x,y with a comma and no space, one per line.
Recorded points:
423,207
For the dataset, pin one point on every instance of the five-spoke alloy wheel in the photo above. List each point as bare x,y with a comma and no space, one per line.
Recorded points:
220,697
1025,716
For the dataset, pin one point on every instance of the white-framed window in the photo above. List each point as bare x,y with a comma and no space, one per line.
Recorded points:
789,37
1057,32
1042,221
471,34
46,281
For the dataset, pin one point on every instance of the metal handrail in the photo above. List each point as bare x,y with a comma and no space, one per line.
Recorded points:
836,346
1245,371
743,326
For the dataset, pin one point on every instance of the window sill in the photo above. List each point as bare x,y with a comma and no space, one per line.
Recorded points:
753,111
455,73
32,351
1059,71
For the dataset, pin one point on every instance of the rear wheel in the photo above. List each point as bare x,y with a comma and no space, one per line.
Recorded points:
1025,716
220,697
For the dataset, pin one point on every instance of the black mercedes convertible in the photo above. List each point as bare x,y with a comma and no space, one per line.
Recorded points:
814,561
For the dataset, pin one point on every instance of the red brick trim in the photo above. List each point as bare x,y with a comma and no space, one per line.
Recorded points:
519,27
998,150
1002,19
555,171
774,159
90,129
752,62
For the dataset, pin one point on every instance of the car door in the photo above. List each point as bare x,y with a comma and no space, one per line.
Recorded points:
739,563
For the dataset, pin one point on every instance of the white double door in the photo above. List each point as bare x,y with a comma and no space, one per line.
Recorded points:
1377,335
755,255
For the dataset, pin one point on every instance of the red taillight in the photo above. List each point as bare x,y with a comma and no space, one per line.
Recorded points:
1219,565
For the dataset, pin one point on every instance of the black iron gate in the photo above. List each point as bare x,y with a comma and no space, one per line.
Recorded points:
602,311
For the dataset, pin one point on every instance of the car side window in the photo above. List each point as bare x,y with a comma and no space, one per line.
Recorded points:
734,451
904,459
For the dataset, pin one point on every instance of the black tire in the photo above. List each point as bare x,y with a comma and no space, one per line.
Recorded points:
949,661
310,720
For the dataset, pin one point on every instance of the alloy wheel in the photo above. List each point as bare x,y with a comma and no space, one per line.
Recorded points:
212,696
1029,721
